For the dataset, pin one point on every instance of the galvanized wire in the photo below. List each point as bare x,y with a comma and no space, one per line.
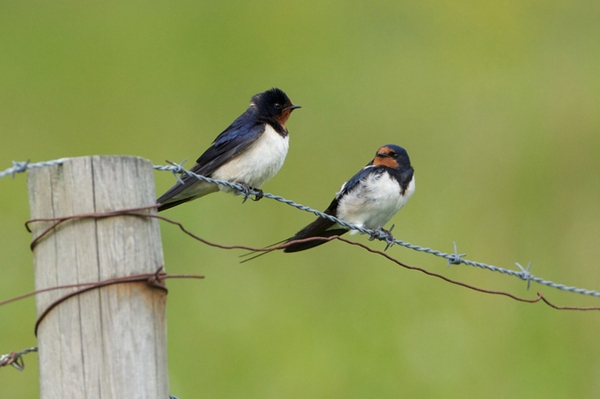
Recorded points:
19,167
453,258
15,359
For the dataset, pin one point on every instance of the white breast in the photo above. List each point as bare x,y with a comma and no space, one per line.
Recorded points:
374,201
259,163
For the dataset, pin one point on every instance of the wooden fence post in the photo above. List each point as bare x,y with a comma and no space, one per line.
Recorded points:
108,342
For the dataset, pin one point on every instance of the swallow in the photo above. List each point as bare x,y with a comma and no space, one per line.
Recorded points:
249,152
369,199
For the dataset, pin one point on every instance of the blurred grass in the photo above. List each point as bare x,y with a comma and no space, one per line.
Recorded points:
497,104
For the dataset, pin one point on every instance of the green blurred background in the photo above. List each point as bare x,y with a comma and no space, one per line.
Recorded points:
497,104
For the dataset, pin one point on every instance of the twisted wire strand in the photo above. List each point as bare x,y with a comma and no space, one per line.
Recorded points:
15,359
452,258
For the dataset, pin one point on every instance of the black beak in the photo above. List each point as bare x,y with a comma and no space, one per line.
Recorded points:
293,107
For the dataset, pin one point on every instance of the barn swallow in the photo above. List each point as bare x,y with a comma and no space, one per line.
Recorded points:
369,199
249,152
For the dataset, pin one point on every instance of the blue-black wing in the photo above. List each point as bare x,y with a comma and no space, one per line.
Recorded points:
234,140
354,180
322,227
241,134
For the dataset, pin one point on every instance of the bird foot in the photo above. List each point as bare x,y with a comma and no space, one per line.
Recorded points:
259,194
387,236
247,192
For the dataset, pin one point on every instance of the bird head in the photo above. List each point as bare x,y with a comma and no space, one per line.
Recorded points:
275,104
392,156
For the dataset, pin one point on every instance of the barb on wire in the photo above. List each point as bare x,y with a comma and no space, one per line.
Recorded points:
15,359
525,275
539,297
382,235
455,258
20,167
135,212
155,279
177,169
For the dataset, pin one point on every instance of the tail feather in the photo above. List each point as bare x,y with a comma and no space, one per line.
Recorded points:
296,247
301,246
260,253
321,227
164,207
180,193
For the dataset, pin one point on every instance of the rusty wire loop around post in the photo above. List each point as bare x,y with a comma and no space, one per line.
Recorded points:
454,258
154,280
138,212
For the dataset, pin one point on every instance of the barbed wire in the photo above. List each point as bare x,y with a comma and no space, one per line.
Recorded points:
155,279
539,297
15,359
454,258
20,167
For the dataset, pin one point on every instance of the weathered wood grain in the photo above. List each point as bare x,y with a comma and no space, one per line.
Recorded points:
109,342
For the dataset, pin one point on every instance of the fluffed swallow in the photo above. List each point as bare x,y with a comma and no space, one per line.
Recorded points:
249,152
369,199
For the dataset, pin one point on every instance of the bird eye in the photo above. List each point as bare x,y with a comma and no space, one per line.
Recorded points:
395,155
277,106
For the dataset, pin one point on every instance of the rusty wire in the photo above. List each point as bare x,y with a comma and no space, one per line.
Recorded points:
539,297
452,258
137,212
155,279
